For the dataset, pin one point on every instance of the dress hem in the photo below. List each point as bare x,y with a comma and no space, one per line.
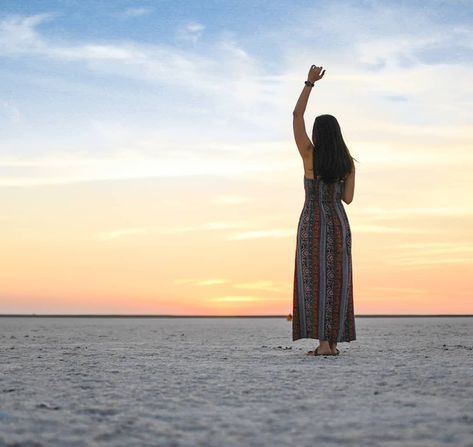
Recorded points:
315,338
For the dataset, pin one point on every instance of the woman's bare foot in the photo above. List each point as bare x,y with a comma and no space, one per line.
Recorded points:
322,349
333,348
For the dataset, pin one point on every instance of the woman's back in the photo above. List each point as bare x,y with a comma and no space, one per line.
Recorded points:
323,192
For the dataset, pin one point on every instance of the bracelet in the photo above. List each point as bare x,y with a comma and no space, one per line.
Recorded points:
309,84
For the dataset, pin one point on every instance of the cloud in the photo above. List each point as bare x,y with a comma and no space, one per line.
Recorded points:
421,254
121,232
267,233
404,150
228,199
396,98
10,111
190,32
371,35
209,226
269,286
208,70
236,299
384,213
133,12
369,58
397,290
126,162
262,93
201,282
373,228
18,34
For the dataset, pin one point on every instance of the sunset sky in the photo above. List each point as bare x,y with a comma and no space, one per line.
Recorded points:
147,162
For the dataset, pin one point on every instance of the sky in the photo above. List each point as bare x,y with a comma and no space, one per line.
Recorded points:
148,165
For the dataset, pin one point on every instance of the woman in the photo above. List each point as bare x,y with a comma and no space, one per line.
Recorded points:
323,289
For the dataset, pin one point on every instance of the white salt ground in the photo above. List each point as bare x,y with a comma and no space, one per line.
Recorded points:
404,382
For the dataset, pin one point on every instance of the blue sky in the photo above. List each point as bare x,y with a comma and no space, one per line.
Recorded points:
152,78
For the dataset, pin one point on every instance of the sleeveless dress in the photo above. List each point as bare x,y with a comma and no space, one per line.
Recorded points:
323,286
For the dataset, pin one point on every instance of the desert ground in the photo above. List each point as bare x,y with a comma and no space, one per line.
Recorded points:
403,382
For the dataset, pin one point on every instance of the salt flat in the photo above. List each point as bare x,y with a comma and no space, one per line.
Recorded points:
233,382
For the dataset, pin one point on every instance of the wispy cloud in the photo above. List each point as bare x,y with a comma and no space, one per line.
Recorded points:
190,32
373,228
383,44
236,298
401,98
381,291
422,254
384,213
228,199
160,63
265,285
200,282
63,168
210,282
269,286
18,35
267,233
208,226
9,111
133,12
121,232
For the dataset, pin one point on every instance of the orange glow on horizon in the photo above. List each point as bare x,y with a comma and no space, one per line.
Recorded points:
91,256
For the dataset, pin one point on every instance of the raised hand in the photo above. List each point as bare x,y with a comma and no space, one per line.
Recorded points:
314,73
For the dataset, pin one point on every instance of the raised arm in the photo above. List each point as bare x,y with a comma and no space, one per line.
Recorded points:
304,145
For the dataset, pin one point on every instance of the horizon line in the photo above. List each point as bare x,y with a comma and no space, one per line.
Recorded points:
34,315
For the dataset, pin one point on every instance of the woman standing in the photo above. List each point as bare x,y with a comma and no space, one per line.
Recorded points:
323,287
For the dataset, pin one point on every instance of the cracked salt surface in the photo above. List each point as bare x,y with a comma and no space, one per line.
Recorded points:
404,382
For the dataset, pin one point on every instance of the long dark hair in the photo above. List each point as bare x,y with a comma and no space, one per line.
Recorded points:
332,160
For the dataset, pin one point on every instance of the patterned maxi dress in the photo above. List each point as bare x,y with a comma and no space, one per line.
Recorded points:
323,287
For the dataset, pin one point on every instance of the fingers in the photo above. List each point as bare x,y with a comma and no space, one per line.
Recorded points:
317,70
